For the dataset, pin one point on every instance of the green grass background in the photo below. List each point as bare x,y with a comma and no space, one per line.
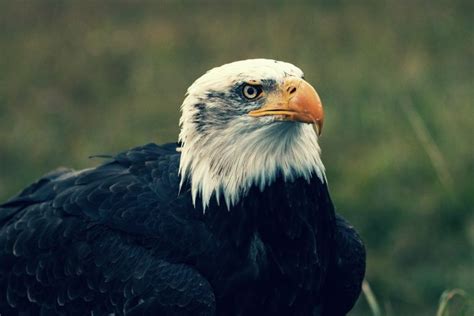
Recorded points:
396,77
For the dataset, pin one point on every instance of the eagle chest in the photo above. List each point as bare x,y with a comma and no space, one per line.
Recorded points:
286,233
279,268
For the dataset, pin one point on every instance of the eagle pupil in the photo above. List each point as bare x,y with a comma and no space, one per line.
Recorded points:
251,92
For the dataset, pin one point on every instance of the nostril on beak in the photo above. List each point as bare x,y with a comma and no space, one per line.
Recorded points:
291,89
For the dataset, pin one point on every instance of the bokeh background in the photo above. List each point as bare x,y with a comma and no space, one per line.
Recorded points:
79,78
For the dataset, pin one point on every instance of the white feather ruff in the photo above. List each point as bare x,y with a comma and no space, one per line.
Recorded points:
226,163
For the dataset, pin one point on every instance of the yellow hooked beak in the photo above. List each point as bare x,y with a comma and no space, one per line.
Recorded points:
295,100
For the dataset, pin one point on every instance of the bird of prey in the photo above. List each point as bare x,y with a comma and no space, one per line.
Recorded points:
234,219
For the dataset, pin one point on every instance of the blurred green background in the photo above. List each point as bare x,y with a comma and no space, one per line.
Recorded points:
86,77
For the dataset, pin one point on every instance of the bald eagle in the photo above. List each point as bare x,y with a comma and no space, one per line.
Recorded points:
234,219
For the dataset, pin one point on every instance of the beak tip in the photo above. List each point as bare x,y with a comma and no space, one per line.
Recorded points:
318,127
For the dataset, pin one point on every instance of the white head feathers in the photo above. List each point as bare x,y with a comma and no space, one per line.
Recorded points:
225,151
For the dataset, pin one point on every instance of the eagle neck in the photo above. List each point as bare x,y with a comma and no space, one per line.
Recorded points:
228,167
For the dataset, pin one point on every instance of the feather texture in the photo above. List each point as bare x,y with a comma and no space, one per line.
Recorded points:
120,239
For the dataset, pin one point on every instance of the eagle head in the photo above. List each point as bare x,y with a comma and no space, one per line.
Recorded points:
245,123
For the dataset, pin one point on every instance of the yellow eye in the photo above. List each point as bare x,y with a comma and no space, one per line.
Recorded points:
251,91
